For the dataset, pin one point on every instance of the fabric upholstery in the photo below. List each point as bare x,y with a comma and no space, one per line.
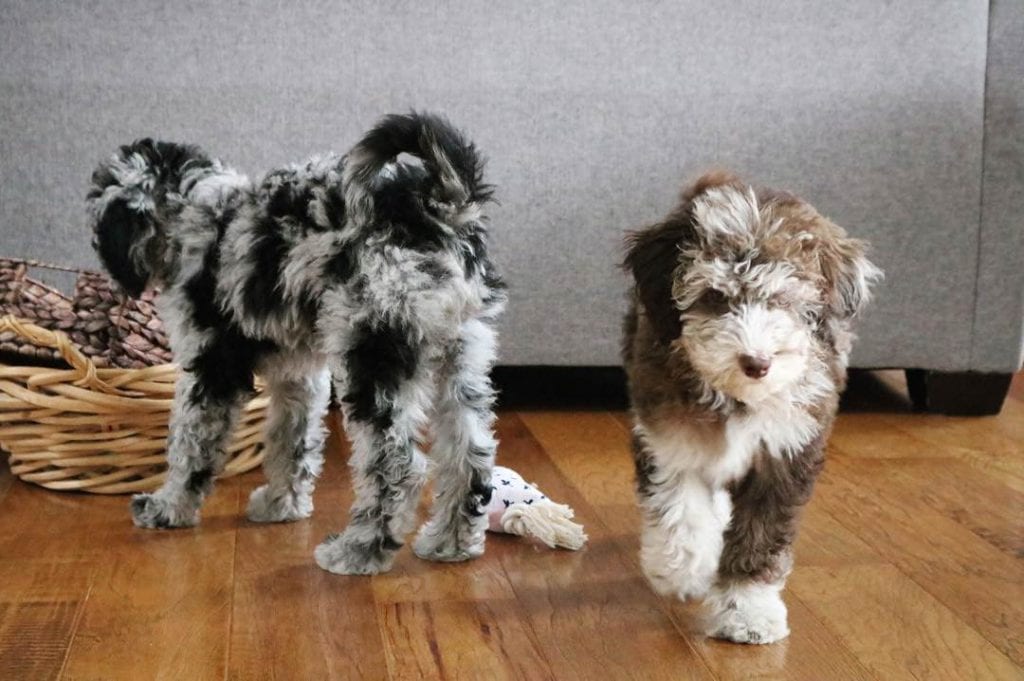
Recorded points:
593,114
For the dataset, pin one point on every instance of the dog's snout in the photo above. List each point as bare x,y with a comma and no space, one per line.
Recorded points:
755,366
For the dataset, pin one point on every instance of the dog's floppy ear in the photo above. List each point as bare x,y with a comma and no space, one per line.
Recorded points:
126,198
121,237
848,276
652,256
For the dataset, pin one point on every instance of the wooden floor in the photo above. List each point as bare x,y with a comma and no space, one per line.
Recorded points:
910,566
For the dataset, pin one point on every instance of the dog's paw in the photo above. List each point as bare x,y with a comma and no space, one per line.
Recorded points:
453,543
271,506
747,614
346,556
741,626
682,586
155,512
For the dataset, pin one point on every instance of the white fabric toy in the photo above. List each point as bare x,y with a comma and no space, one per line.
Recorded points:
517,507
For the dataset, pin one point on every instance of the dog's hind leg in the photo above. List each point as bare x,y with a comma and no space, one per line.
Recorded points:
201,421
299,395
464,449
386,386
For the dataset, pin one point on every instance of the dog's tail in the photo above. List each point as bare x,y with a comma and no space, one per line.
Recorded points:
451,161
134,196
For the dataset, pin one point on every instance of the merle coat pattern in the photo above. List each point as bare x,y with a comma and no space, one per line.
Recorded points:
360,269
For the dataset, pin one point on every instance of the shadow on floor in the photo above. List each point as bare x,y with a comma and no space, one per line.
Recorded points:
876,391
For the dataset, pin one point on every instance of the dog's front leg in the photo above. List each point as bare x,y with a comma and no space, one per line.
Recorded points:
745,605
201,421
294,437
684,518
464,449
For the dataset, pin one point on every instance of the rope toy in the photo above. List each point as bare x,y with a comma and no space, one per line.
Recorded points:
517,507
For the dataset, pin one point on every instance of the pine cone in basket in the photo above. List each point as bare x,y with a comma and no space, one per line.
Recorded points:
107,326
135,337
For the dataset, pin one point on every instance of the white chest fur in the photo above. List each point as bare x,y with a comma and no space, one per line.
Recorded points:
687,508
720,453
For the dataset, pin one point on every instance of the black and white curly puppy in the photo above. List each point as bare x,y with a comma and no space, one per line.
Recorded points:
363,269
735,347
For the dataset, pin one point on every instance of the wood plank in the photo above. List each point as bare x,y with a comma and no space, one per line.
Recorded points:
872,435
38,523
1017,387
160,606
989,509
290,619
979,583
34,638
592,451
592,608
40,607
824,541
6,477
993,445
47,568
624,418
27,579
1002,435
455,621
896,628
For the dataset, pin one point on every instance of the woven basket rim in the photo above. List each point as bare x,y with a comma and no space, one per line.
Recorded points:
102,431
31,262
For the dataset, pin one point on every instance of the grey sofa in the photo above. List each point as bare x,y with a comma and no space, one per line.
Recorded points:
901,120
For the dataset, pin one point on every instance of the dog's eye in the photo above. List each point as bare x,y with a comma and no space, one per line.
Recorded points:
714,299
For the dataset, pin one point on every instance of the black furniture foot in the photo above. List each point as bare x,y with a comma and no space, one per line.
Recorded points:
958,393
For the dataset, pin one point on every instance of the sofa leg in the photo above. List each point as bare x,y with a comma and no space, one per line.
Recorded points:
958,393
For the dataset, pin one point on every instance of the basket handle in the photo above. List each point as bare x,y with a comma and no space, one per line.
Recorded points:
84,366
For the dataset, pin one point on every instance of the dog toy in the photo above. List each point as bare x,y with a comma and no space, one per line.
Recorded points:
517,507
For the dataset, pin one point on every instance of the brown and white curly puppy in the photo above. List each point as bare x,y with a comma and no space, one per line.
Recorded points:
736,345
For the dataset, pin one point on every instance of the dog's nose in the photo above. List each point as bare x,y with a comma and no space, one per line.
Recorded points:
755,366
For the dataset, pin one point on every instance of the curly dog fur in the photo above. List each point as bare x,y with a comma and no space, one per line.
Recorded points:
735,348
361,269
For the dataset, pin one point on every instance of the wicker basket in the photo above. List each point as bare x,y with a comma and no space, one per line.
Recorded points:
98,430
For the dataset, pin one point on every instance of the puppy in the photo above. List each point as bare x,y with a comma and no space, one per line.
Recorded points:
359,269
735,347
